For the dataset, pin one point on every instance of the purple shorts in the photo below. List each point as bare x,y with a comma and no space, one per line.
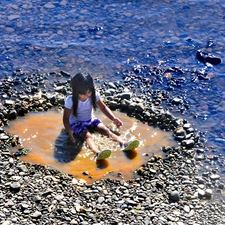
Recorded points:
80,127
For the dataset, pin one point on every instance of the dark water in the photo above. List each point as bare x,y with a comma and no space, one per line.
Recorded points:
104,37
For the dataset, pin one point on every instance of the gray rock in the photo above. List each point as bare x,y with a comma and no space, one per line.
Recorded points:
188,143
125,95
174,196
186,208
101,199
215,177
36,215
208,193
15,186
201,193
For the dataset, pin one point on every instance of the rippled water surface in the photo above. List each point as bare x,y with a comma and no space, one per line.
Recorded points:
104,37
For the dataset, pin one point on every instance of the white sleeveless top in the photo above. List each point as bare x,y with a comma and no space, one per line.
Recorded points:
84,109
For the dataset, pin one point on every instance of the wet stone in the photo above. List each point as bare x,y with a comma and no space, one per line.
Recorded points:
188,143
215,177
177,101
22,168
125,95
180,132
206,57
86,173
109,92
9,102
12,114
221,185
3,136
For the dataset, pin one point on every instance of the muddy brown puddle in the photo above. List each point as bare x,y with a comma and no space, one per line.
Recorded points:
43,134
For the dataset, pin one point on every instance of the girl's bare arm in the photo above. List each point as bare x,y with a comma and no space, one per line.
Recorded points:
106,110
66,116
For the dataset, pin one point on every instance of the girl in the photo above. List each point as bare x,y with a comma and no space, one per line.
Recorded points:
78,117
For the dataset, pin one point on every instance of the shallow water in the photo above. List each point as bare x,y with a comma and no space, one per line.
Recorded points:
105,37
41,133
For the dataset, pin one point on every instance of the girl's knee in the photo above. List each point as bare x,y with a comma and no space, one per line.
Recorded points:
105,131
88,135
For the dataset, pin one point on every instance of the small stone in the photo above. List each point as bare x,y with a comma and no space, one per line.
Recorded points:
208,193
191,213
125,95
9,102
186,208
73,222
221,185
177,101
174,196
201,193
11,161
9,203
189,143
15,186
86,173
1,195
58,197
131,202
24,206
22,168
101,200
200,180
37,198
16,178
180,223
4,137
7,222
36,215
152,171
215,177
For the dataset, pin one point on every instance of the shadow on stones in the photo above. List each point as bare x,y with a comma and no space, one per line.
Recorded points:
65,151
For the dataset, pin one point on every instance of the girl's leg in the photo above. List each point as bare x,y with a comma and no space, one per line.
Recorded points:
105,131
90,142
99,155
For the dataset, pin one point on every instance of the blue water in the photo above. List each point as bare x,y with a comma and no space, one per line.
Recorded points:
104,37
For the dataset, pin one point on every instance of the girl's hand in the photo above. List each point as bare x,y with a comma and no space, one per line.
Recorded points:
71,136
117,122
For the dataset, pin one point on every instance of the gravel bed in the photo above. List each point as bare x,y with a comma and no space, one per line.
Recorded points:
185,186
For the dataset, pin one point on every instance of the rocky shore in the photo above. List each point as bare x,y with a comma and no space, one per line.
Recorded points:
184,187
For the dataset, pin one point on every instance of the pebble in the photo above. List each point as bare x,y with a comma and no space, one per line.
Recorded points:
174,196
15,186
36,214
101,200
186,208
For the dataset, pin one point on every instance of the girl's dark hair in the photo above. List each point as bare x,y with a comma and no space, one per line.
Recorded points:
81,83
